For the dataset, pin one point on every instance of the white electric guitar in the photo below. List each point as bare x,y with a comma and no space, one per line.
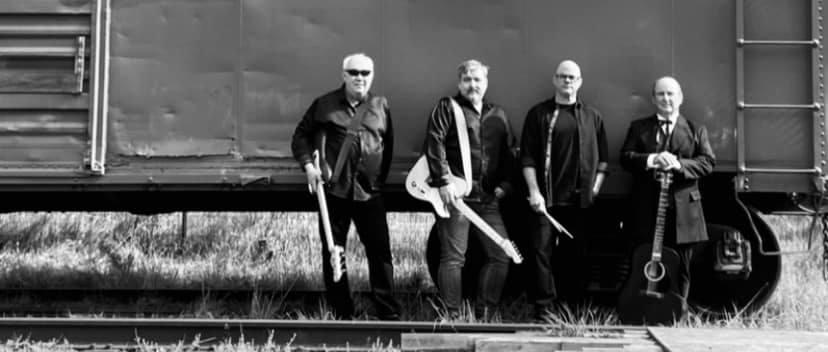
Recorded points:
337,252
416,183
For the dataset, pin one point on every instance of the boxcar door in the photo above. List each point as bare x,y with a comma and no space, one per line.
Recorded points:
48,116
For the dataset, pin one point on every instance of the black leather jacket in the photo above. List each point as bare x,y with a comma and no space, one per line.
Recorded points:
491,141
325,126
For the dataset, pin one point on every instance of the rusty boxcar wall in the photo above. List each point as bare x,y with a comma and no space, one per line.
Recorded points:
232,77
212,89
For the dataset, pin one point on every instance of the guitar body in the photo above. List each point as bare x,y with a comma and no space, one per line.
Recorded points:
651,294
661,306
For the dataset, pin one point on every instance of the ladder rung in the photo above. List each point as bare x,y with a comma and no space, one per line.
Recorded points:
743,106
813,42
815,171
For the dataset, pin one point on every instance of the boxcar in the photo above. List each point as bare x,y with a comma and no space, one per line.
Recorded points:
165,105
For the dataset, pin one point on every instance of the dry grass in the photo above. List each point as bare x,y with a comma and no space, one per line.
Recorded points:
799,301
228,250
231,250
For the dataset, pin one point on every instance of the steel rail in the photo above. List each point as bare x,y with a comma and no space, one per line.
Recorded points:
213,331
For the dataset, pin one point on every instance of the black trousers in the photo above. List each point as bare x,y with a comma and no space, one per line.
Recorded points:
555,255
372,227
684,250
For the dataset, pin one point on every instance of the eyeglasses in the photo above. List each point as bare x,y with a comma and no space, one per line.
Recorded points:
363,73
565,77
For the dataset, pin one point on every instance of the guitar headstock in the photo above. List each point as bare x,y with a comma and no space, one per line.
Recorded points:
511,250
337,262
664,178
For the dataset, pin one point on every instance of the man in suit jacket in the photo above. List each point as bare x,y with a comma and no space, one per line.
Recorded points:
667,141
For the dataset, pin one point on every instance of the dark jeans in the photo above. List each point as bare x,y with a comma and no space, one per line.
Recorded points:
556,254
372,227
454,236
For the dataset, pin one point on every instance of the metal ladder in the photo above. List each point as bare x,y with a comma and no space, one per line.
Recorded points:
818,90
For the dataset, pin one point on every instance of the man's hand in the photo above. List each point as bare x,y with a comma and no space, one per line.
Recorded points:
599,180
536,202
448,195
499,193
667,161
314,176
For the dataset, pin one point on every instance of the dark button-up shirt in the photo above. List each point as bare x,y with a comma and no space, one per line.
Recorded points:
490,145
590,143
325,126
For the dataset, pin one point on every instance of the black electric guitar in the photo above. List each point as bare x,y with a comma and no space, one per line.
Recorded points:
650,295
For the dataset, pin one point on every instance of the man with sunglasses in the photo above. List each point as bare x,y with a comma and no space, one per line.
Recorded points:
351,129
490,159
564,160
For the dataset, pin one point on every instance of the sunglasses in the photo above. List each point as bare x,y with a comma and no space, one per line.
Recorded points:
363,73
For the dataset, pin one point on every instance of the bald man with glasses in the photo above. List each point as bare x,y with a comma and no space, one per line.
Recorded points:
564,159
351,129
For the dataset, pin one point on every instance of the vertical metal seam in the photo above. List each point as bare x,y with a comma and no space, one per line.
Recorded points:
740,87
95,86
817,77
239,105
106,30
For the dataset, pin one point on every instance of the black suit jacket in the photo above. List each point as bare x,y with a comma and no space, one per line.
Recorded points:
689,142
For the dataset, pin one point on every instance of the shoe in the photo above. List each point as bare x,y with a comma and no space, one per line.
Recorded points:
542,313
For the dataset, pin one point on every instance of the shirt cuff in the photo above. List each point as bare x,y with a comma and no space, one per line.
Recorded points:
651,161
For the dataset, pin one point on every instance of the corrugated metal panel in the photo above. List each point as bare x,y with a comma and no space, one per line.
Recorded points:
46,6
43,116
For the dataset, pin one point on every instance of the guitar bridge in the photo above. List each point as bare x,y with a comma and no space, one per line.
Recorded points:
654,294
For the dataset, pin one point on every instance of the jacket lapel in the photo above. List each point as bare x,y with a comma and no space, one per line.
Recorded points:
650,134
682,136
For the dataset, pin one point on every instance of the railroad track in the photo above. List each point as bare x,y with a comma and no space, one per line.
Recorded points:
124,332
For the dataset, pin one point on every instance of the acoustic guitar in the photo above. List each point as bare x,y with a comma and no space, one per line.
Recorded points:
416,183
337,252
650,295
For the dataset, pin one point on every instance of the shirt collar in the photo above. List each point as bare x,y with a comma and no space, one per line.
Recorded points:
672,119
578,102
465,102
343,96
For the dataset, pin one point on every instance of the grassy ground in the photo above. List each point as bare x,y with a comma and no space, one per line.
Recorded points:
265,251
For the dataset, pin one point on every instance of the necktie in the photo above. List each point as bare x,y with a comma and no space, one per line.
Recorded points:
663,134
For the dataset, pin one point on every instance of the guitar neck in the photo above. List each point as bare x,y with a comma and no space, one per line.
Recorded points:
661,215
479,222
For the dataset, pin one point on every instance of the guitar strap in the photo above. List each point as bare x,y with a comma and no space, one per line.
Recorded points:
463,140
350,136
547,161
